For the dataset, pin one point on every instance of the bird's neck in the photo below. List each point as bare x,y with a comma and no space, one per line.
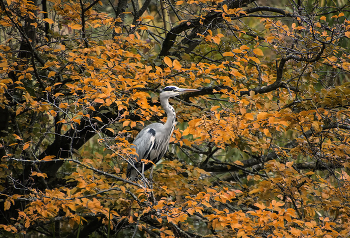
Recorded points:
170,112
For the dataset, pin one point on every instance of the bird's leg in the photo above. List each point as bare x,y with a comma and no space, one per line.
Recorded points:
143,174
151,174
151,178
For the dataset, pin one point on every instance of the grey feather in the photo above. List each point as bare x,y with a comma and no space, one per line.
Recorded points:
152,141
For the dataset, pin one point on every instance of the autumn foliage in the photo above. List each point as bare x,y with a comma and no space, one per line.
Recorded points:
262,150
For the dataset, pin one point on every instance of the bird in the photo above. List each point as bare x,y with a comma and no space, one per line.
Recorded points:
152,142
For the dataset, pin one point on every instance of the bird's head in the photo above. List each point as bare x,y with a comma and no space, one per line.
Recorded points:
172,91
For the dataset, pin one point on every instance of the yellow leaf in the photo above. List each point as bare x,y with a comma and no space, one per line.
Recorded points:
48,20
17,137
48,158
249,116
239,163
236,73
214,108
269,39
295,231
7,205
261,206
26,145
347,34
323,18
133,124
244,47
228,54
206,204
19,110
177,65
126,123
39,174
262,115
216,39
254,191
75,26
99,100
187,142
98,118
256,60
237,51
168,61
51,74
148,17
258,52
110,129
58,94
267,132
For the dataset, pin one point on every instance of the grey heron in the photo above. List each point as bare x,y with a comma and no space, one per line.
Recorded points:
152,141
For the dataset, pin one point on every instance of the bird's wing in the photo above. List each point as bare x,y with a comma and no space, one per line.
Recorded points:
144,142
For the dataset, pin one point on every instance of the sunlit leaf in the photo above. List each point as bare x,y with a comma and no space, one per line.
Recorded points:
258,52
168,61
48,20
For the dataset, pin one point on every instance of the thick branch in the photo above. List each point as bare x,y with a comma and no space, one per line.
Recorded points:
208,22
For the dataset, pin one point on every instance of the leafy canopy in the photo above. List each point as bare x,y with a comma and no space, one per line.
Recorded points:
262,150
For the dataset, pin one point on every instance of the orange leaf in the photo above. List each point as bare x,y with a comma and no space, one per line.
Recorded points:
228,54
249,116
177,65
51,74
26,145
98,118
258,52
110,129
48,158
99,100
262,115
214,108
39,174
148,17
17,137
267,132
48,20
261,206
168,61
256,60
244,47
133,124
75,26
237,51
126,123
7,205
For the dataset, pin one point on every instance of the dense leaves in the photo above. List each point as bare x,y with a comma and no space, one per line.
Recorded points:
261,150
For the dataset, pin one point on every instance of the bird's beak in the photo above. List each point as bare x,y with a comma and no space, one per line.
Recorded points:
187,90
